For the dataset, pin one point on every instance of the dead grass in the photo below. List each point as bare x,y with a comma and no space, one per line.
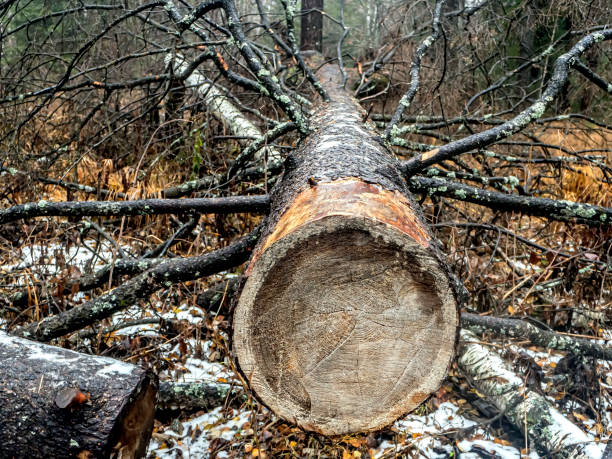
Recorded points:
585,182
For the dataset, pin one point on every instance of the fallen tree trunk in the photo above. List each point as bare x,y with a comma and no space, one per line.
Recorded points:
212,300
222,107
60,403
348,317
554,435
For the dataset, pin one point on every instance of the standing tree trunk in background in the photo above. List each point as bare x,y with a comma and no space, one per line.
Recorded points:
312,26
348,318
174,101
372,17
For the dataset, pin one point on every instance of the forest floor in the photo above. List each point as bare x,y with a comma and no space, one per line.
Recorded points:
505,277
454,422
449,424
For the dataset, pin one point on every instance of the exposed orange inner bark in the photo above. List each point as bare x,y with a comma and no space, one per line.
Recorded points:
351,197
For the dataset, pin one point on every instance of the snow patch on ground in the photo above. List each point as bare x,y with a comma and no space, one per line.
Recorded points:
44,257
443,419
199,369
495,450
426,434
197,434
140,330
186,311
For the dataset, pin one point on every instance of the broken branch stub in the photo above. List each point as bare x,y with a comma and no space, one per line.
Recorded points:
347,318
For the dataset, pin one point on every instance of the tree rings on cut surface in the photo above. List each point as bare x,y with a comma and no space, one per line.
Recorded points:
346,320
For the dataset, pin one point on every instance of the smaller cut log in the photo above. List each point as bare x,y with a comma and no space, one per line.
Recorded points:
60,403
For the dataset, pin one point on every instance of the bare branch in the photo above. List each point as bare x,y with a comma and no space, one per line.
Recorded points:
548,208
415,69
204,7
139,287
259,143
290,7
345,31
594,77
66,185
195,395
269,82
518,123
234,204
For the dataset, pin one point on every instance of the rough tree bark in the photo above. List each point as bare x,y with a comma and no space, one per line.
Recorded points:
59,403
348,317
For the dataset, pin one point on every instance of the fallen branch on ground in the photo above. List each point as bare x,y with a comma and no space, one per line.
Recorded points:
139,287
551,209
528,411
516,328
89,282
223,205
196,395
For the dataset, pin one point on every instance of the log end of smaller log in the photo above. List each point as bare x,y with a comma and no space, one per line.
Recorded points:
345,324
135,425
